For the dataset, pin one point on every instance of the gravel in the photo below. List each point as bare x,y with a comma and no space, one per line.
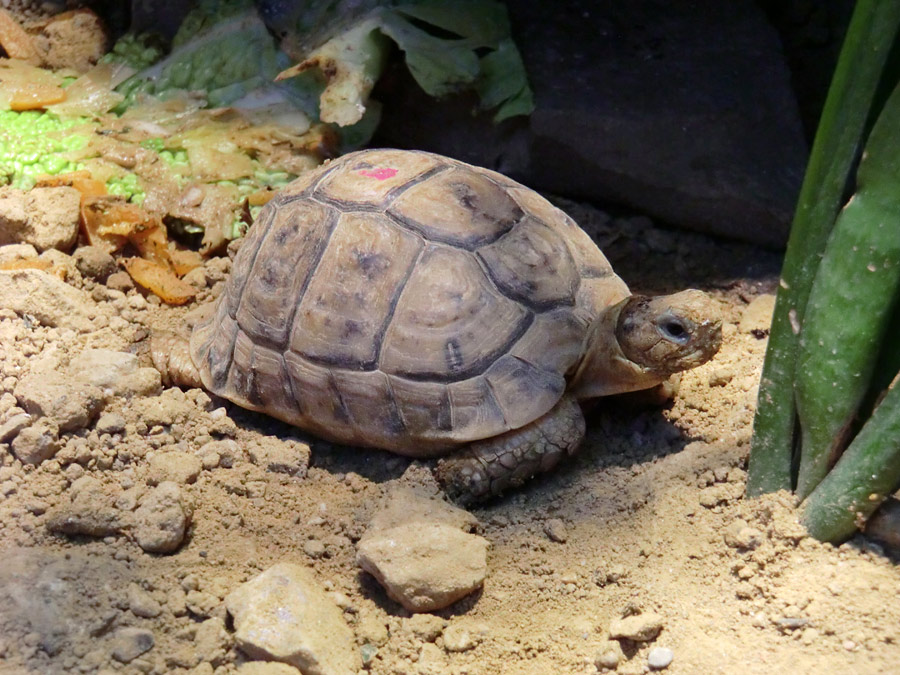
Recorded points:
659,658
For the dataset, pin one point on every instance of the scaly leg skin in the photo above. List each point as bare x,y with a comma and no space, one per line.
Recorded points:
171,356
487,468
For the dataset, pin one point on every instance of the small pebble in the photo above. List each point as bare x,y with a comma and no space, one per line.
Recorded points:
110,423
660,658
639,627
119,281
314,548
720,377
128,643
94,262
556,530
141,603
426,627
609,656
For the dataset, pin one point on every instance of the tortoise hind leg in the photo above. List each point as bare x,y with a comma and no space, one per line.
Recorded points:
488,467
171,356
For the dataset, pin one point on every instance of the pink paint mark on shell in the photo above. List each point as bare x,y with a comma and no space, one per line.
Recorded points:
378,174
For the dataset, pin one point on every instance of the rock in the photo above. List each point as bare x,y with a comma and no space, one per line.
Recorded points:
740,535
196,278
176,466
70,403
119,281
287,456
129,643
13,218
284,615
37,443
59,263
617,116
404,505
45,217
720,377
162,519
416,548
110,423
115,373
166,409
93,262
90,511
12,426
639,627
141,603
372,629
222,453
314,548
757,316
609,656
721,493
176,602
431,661
202,604
426,627
462,635
555,529
13,252
54,213
75,39
660,658
46,298
211,641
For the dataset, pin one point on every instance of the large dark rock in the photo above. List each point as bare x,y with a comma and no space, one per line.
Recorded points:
682,110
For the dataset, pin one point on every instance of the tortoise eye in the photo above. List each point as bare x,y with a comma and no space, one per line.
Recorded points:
675,331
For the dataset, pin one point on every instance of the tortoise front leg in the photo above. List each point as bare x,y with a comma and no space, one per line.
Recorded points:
488,467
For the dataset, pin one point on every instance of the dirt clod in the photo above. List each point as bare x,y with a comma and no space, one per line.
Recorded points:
162,519
639,627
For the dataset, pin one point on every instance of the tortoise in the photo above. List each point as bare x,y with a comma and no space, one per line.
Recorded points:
407,301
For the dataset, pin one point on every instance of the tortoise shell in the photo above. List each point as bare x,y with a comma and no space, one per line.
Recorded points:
407,301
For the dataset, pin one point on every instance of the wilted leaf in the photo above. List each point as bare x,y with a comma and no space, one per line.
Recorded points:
25,87
160,281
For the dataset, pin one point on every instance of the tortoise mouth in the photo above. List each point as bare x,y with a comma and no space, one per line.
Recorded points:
669,334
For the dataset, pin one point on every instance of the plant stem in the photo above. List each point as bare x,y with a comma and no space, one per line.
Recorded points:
865,475
870,35
850,304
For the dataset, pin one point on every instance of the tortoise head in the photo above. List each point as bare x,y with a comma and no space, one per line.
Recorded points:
642,340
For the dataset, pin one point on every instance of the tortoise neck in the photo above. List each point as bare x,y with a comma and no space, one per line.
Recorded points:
604,368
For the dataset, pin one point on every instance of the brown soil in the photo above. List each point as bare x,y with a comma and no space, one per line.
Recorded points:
650,516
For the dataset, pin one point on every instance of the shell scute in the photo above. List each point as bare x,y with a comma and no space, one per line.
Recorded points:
366,180
286,259
532,264
553,341
426,410
589,259
243,262
459,207
215,357
475,411
521,388
369,403
450,320
319,403
342,316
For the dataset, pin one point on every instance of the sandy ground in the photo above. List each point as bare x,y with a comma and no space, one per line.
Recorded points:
649,517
